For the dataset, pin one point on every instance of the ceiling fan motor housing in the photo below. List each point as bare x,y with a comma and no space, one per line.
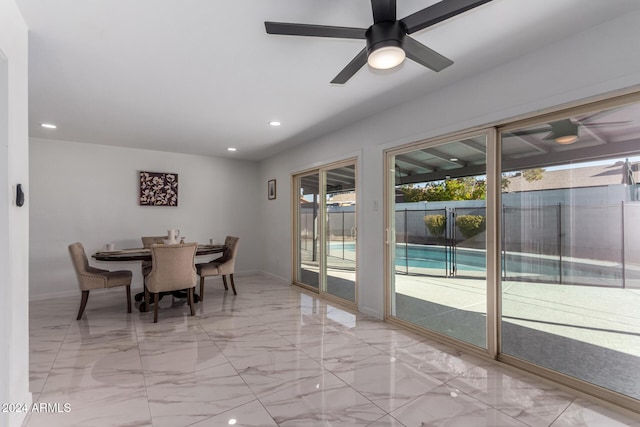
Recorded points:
385,33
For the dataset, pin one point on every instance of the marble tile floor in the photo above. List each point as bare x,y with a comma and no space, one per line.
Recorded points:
271,356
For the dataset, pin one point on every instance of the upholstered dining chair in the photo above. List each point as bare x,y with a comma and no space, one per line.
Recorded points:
172,269
147,241
90,278
223,266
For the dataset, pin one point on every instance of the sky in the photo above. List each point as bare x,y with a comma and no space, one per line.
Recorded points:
594,163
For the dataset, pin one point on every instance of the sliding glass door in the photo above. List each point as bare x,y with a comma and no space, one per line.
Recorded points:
326,231
570,246
438,248
340,232
308,236
522,243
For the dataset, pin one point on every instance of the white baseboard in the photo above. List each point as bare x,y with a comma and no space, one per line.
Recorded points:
371,312
275,276
52,295
135,287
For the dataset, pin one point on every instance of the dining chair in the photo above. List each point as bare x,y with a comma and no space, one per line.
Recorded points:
147,241
172,269
90,278
223,266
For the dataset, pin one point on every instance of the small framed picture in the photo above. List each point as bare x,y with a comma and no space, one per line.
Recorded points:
271,189
158,189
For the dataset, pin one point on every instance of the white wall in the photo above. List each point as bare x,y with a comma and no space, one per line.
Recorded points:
89,193
600,60
14,226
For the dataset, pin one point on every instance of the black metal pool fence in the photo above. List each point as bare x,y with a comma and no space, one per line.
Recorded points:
597,245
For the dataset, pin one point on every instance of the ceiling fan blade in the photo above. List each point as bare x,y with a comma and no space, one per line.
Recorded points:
383,10
289,29
438,12
595,116
528,132
351,68
589,125
425,56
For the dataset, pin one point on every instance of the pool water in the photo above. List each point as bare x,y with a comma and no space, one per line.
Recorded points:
421,256
515,266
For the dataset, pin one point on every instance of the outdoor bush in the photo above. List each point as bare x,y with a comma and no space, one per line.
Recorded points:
470,225
435,224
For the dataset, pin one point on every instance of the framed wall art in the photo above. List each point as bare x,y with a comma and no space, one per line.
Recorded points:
158,189
271,189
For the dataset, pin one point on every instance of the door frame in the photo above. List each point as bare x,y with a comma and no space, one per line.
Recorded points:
492,242
295,243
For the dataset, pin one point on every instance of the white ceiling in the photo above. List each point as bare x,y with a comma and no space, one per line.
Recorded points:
198,76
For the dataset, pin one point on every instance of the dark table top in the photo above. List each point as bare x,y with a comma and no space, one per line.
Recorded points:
144,254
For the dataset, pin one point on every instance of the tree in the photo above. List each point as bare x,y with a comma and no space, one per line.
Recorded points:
412,193
468,188
535,174
504,183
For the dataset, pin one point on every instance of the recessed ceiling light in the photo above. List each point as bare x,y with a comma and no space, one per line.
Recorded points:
231,149
453,159
274,123
48,125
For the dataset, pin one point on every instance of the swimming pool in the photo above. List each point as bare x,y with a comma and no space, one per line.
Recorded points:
435,257
421,256
516,266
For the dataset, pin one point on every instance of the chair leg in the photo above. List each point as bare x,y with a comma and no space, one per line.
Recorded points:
233,285
128,298
224,280
155,308
201,288
190,293
147,299
83,303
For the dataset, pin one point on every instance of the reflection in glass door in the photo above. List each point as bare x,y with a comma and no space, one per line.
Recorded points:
308,242
326,230
542,271
438,251
340,231
571,246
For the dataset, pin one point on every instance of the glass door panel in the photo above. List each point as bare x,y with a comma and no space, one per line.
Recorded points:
308,241
439,276
340,232
570,284
326,233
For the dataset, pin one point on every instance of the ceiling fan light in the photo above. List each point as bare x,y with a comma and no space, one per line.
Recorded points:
386,57
564,131
566,139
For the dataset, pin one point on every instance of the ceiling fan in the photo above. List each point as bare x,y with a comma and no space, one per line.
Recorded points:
387,39
564,131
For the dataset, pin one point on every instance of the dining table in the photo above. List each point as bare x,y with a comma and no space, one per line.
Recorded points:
144,254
